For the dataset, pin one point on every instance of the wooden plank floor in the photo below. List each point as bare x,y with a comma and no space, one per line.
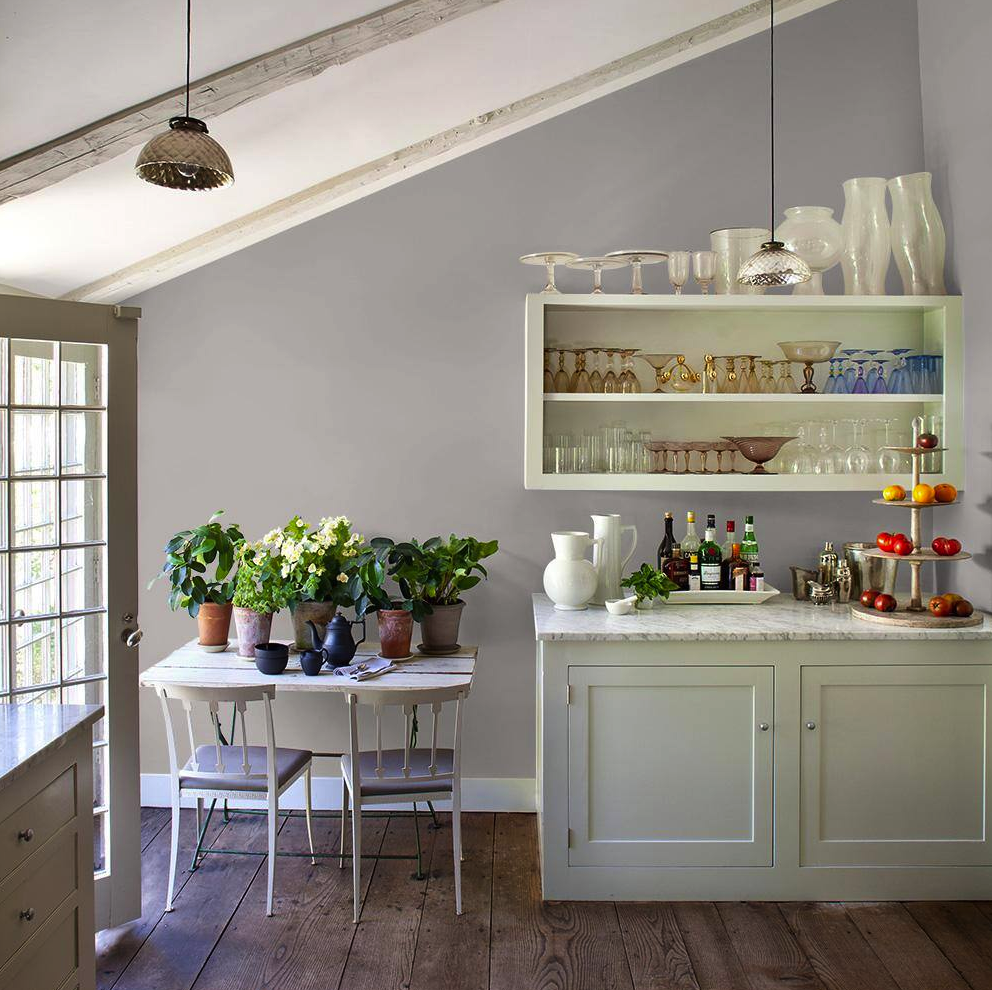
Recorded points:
218,937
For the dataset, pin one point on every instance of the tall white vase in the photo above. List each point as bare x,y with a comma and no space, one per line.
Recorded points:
867,249
918,239
608,557
813,234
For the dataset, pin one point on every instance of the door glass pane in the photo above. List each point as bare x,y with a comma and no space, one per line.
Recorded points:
83,443
99,776
83,641
34,513
3,442
82,510
33,442
50,696
4,666
100,842
34,381
36,654
82,578
83,374
35,583
88,693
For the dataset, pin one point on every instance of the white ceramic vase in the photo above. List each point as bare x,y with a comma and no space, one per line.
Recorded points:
570,579
813,234
867,249
918,239
608,558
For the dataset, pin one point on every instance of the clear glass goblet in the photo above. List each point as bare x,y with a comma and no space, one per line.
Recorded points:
611,383
629,384
767,383
704,269
730,382
549,377
785,383
858,459
678,269
596,378
561,379
580,382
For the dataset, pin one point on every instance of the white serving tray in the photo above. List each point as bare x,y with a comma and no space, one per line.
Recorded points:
722,597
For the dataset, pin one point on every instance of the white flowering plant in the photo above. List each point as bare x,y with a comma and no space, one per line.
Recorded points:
312,563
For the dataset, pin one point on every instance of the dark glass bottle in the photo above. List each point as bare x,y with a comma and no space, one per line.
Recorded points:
677,568
667,542
729,566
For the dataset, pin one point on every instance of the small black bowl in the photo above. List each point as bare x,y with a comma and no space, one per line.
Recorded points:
311,661
271,658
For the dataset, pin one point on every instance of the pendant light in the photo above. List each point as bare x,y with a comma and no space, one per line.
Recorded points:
773,263
185,156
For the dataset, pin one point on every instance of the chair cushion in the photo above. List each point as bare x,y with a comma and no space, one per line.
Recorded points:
288,763
392,780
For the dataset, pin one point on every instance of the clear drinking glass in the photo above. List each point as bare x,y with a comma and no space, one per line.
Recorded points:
858,459
704,269
678,269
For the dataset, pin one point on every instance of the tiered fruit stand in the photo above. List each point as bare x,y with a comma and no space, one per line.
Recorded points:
916,613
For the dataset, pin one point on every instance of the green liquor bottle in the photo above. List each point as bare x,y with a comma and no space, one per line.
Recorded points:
749,545
710,557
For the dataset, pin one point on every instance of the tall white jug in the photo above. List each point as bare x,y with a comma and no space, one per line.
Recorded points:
607,556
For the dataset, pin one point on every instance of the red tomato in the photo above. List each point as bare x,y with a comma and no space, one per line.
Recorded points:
884,541
902,546
939,545
953,546
885,603
868,597
940,606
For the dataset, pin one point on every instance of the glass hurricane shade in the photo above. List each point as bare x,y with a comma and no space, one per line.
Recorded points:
185,157
774,264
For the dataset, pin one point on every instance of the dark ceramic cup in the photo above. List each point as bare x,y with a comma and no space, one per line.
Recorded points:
271,658
311,661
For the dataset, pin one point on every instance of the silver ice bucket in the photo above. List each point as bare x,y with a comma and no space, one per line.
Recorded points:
877,573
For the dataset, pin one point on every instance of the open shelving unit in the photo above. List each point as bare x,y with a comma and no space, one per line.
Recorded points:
695,325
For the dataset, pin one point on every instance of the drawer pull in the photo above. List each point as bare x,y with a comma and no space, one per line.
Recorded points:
811,726
763,726
26,834
27,914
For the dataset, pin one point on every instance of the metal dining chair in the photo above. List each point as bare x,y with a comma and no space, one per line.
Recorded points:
413,773
221,772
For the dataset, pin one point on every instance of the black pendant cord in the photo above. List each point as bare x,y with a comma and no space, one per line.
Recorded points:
771,102
189,32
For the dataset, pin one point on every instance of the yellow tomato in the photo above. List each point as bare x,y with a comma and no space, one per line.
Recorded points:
945,492
923,494
893,493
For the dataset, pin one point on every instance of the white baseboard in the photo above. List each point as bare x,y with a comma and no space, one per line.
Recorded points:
478,794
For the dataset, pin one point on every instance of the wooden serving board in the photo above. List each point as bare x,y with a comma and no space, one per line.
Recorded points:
916,620
908,503
918,557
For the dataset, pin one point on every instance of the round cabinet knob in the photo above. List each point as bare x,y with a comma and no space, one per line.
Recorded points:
26,834
811,726
763,726
27,914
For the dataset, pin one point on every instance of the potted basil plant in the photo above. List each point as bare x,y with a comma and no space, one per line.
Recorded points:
436,574
199,565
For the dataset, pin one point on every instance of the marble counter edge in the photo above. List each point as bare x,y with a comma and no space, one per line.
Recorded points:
86,717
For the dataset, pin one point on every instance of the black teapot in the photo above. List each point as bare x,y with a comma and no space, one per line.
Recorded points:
339,646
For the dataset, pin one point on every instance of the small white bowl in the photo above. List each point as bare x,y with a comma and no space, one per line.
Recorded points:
620,606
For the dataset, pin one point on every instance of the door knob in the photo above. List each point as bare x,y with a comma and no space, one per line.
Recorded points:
763,726
132,637
811,726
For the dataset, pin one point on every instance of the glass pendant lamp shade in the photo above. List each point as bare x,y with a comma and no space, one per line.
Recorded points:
774,264
185,157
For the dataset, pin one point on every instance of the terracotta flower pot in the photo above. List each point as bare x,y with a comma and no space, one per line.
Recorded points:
440,629
253,628
395,633
319,613
214,623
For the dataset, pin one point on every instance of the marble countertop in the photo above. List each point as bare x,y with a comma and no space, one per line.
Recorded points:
30,732
782,618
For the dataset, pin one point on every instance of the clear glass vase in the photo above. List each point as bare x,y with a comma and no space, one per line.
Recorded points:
865,225
917,234
733,246
813,234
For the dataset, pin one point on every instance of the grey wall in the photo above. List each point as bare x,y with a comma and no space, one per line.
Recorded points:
371,362
956,75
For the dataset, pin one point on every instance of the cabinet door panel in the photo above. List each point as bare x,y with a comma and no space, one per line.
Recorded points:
895,771
668,766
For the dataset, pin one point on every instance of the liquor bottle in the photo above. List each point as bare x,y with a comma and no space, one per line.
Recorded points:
729,570
756,579
709,558
695,581
667,542
677,568
728,544
690,542
749,545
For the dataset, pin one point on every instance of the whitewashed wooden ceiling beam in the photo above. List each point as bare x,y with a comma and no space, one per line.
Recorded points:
231,87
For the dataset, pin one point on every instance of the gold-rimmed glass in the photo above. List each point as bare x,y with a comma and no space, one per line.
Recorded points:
580,377
561,375
750,376
659,362
629,385
729,381
785,382
766,384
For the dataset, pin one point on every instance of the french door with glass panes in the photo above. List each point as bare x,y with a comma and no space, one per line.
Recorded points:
68,557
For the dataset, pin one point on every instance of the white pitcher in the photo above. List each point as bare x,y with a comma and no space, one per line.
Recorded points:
570,579
608,558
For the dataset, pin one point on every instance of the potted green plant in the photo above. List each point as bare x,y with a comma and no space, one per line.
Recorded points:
260,591
315,563
649,583
395,613
199,565
436,573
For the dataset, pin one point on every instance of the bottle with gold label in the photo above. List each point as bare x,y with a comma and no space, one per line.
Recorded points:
677,568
